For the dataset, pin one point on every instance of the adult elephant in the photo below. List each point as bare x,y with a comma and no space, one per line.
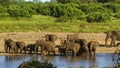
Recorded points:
72,37
51,37
48,46
10,46
21,46
74,47
92,45
69,46
32,48
84,46
114,35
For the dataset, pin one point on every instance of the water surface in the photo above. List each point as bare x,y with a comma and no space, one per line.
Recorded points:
100,61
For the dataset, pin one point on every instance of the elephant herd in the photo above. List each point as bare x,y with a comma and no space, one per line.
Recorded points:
72,44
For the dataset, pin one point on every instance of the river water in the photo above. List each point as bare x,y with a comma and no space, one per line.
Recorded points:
100,61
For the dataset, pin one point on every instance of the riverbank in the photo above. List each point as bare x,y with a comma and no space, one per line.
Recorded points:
30,37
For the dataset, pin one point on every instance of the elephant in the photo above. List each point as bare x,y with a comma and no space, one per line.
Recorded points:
62,48
92,45
32,48
84,46
10,46
72,37
48,46
21,46
74,47
51,37
114,35
69,46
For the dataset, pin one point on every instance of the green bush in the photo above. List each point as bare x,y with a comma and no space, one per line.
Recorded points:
98,17
36,64
114,7
117,15
3,12
63,19
19,11
93,7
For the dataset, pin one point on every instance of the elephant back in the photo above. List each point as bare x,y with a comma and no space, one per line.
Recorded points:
51,37
82,42
20,44
72,37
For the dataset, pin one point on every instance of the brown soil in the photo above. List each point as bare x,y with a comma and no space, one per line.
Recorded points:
30,37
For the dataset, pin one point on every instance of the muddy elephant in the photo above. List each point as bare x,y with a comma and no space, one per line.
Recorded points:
10,46
72,37
114,35
51,37
92,45
84,46
21,46
62,50
48,46
69,46
32,48
74,47
62,47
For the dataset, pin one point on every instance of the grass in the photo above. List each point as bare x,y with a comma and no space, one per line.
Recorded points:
48,24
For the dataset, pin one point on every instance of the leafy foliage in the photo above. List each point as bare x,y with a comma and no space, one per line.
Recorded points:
19,11
36,64
98,17
117,15
3,12
63,10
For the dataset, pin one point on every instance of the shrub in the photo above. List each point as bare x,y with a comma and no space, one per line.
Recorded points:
3,12
19,11
117,15
36,64
63,19
114,7
97,17
93,7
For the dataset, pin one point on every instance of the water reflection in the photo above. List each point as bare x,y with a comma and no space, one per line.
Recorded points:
100,61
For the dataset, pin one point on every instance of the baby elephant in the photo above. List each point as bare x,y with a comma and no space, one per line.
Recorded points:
46,45
92,47
32,48
62,50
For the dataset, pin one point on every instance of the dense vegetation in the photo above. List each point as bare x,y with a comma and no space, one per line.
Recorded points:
36,64
64,15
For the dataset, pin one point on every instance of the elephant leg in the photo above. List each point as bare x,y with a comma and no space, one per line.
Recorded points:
30,51
25,49
90,51
94,53
6,49
74,52
114,43
48,52
111,42
54,52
